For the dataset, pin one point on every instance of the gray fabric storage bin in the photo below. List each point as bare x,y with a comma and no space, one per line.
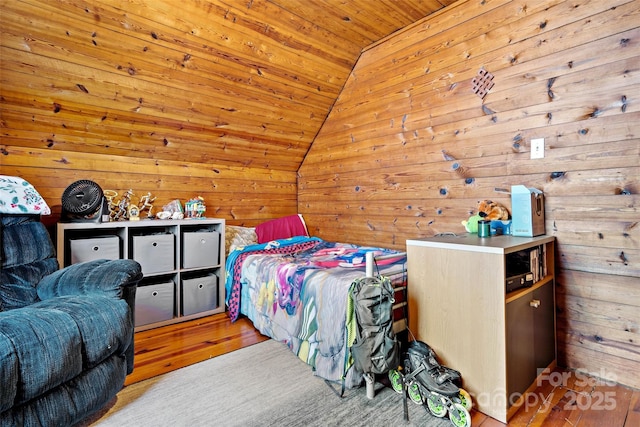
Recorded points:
82,250
154,303
155,253
200,249
199,294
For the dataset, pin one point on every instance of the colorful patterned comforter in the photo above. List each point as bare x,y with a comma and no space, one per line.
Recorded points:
296,291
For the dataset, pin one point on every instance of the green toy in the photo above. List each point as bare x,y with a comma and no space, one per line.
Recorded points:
471,225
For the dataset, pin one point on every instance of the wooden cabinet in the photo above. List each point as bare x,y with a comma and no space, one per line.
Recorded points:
182,262
458,304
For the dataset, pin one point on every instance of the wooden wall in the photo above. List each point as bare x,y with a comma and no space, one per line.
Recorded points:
408,150
167,97
212,98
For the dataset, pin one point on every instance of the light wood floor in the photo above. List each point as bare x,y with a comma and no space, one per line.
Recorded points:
567,399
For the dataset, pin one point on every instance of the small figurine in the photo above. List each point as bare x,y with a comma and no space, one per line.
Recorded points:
122,212
110,195
134,213
146,203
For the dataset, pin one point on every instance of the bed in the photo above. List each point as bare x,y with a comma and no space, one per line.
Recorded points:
295,289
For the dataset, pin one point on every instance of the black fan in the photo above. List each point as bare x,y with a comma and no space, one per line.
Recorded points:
83,201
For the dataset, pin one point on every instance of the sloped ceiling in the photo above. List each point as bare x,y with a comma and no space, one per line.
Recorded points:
231,82
270,71
310,47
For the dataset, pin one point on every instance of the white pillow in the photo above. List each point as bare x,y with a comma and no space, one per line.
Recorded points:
17,196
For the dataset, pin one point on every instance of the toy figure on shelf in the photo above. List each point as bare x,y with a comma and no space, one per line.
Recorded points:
110,195
146,203
122,209
195,208
491,211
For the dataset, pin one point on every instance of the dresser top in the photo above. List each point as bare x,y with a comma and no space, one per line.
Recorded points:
502,244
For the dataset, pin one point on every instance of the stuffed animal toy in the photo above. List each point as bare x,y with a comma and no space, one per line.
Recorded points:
487,210
471,224
490,210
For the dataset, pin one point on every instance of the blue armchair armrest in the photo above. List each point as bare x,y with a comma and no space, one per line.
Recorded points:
115,278
105,277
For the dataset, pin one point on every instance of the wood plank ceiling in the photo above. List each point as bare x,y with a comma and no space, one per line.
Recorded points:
289,65
242,83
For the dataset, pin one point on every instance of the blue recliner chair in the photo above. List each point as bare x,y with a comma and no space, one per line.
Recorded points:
66,336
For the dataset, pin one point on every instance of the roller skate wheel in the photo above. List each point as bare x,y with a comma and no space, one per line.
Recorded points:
414,393
459,416
395,377
465,399
436,405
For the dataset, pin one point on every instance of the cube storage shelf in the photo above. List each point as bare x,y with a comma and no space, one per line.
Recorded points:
182,262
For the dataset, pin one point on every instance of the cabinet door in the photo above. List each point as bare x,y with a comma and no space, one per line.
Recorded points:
530,338
521,371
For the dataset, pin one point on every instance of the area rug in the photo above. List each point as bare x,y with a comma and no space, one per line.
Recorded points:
261,385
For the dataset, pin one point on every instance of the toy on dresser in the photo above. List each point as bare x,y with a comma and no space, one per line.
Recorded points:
488,210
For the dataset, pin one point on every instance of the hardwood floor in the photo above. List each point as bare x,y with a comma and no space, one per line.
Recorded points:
566,398
161,350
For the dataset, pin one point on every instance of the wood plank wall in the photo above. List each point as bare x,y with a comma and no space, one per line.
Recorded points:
216,98
165,97
408,150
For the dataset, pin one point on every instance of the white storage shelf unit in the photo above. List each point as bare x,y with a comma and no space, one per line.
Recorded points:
182,262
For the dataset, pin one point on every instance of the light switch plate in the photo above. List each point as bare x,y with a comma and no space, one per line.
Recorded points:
537,148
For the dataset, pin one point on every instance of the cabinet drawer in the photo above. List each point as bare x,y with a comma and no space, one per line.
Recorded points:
155,252
154,303
83,250
199,294
200,249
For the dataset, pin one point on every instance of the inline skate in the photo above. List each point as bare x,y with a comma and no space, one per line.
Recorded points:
426,382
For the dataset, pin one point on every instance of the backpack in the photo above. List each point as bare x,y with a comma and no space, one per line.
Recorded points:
375,348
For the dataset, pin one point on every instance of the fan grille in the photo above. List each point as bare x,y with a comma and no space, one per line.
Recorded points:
83,197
